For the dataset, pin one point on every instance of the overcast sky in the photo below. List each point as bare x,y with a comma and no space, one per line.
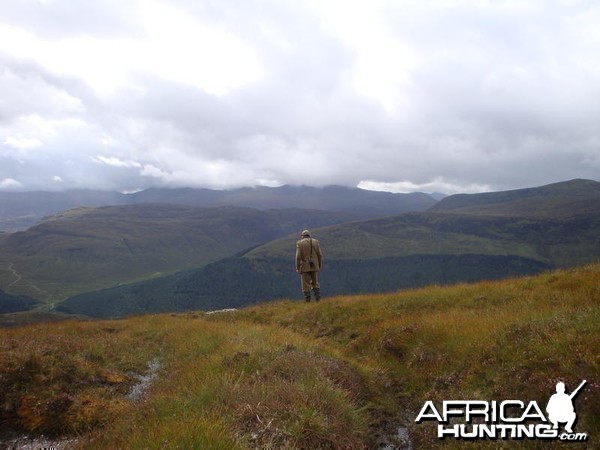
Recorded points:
449,96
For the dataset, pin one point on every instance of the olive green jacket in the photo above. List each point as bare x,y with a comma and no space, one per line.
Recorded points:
303,255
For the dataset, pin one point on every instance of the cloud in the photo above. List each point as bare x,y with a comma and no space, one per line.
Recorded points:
10,183
115,162
22,143
438,96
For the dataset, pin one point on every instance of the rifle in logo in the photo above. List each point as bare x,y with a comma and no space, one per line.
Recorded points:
560,407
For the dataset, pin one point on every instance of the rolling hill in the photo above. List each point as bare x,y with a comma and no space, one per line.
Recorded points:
92,248
567,198
408,250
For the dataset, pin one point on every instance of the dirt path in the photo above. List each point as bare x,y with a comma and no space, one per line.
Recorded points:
25,442
41,294
9,266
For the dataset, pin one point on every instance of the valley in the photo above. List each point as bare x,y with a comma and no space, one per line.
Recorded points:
488,296
119,260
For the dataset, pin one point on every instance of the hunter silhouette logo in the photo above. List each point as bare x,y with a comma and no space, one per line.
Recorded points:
507,419
560,407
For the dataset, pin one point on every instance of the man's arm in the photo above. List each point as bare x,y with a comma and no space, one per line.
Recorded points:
319,254
298,257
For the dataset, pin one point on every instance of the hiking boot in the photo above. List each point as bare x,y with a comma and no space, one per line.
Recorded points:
317,292
307,296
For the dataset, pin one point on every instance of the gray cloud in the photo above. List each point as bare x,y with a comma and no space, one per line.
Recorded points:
386,95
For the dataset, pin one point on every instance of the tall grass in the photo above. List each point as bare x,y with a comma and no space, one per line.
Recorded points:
336,374
490,340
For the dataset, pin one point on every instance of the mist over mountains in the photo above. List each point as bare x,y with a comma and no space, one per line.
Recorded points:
118,260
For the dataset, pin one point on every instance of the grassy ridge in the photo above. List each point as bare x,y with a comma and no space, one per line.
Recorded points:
330,375
86,249
566,198
561,241
490,340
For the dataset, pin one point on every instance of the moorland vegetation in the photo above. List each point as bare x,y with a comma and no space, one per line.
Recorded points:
344,373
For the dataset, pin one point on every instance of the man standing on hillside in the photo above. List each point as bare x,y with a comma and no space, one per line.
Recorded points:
308,264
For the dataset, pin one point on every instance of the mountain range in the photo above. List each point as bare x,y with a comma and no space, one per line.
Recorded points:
21,210
119,260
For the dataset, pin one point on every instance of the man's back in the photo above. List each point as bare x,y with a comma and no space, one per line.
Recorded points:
308,250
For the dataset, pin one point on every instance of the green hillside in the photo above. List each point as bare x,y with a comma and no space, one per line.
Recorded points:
409,250
92,254
557,224
559,241
91,248
348,372
239,281
566,198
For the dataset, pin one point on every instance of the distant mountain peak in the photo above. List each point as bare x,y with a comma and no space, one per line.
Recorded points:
563,198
